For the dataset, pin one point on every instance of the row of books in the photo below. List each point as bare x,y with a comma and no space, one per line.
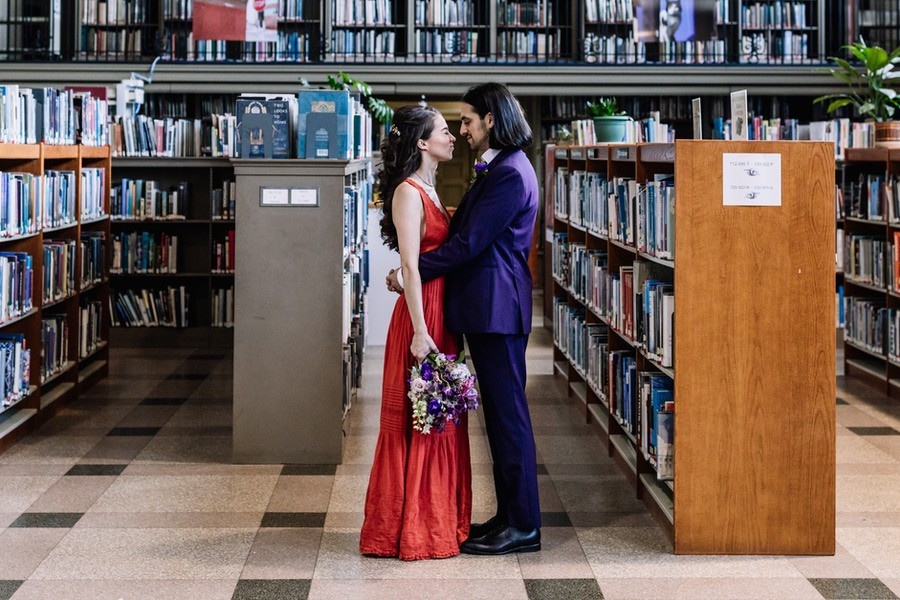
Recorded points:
144,252
31,116
16,285
150,308
147,199
114,12
535,45
223,201
609,11
440,13
15,368
102,41
656,217
222,309
777,47
288,46
58,269
54,345
450,43
642,402
362,12
91,327
693,52
865,259
775,14
93,258
525,14
58,202
29,203
93,193
349,43
868,195
167,137
178,9
20,203
223,254
864,322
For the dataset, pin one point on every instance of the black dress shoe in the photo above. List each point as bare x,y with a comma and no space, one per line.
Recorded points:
492,525
504,541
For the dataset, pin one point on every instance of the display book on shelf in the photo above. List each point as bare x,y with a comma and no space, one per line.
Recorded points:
172,251
54,319
753,335
870,192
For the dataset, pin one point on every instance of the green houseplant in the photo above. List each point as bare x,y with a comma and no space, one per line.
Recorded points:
609,122
869,88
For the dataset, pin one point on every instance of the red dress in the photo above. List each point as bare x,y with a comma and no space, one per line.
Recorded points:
419,500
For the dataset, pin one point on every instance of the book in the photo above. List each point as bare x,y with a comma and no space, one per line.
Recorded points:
319,102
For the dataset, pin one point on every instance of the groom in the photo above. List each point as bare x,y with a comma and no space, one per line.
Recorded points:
488,298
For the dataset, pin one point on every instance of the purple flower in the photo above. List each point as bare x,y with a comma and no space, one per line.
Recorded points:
427,371
434,407
481,169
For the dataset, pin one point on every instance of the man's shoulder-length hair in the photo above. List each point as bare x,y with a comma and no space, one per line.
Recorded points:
511,130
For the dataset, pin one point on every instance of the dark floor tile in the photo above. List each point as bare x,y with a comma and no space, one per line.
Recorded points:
96,470
54,519
842,401
874,430
309,469
542,469
852,589
555,519
134,431
186,376
8,587
290,519
271,589
563,589
157,401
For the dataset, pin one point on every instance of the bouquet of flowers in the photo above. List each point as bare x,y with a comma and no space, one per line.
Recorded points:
441,389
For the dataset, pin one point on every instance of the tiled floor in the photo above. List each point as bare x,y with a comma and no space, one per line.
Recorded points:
129,493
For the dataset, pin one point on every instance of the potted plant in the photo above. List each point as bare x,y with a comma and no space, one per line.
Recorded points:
870,89
609,122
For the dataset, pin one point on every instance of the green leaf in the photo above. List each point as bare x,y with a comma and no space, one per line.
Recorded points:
848,68
876,58
857,53
840,103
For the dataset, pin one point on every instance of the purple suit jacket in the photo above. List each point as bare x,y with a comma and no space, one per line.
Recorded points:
484,261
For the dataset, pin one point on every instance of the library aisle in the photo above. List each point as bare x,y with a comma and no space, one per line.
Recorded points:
129,493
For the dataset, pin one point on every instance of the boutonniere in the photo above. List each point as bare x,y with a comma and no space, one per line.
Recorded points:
478,171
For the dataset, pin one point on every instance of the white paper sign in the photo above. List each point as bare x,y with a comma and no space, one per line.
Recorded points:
273,197
751,179
739,115
304,197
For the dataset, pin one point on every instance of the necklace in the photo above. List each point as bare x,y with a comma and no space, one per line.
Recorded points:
422,179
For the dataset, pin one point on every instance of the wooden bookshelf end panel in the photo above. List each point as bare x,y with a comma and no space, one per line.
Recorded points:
755,354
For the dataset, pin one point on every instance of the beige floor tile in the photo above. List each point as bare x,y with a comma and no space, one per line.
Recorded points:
84,421
169,520
33,470
324,589
708,589
283,554
861,493
301,494
855,416
116,449
17,493
558,449
193,469
202,416
205,493
878,548
72,494
868,519
360,449
105,554
188,449
484,498
615,552
8,517
869,469
597,494
344,520
354,469
549,498
840,566
24,548
148,416
561,557
58,450
339,558
887,443
856,449
127,590
348,493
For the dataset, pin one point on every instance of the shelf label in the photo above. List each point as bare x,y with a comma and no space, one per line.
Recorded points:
288,196
751,179
622,153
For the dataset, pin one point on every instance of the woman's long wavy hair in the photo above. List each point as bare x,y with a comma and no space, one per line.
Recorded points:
400,157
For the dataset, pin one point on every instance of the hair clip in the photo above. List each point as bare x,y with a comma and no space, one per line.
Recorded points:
395,130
